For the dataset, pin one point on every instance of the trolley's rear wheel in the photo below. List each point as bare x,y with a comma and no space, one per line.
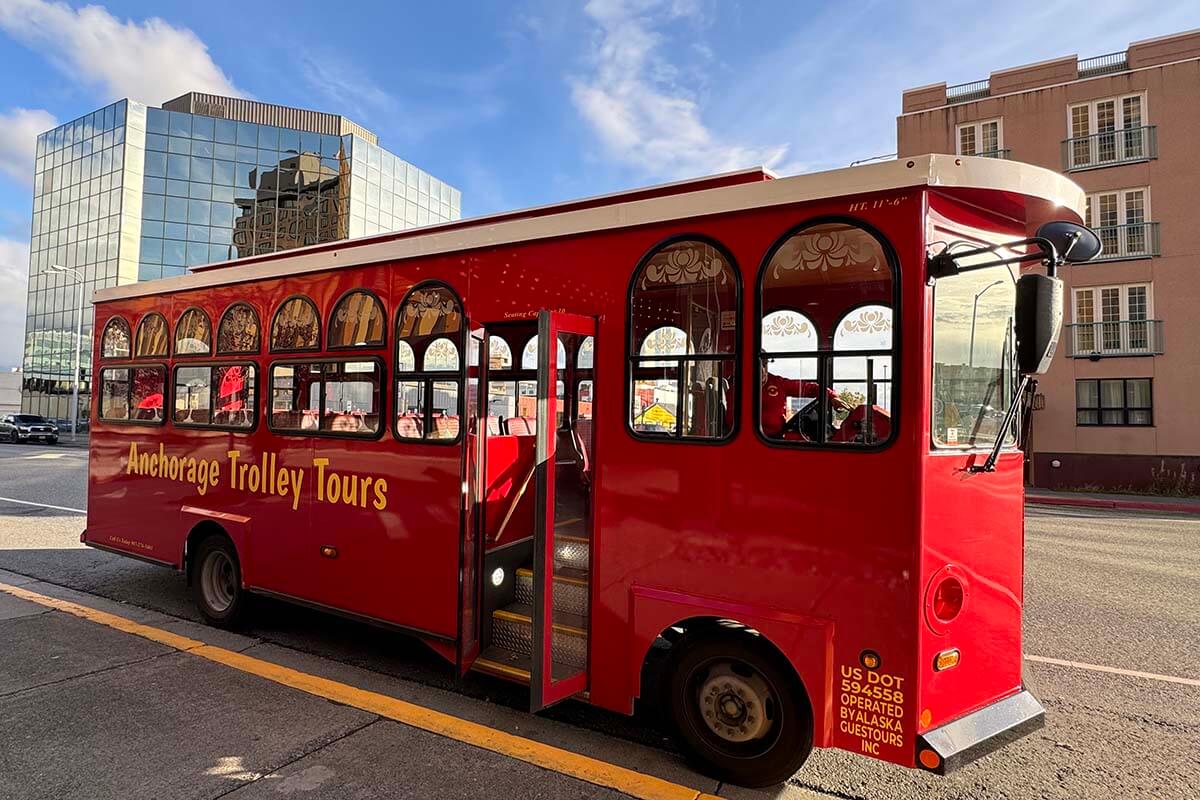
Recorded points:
217,582
737,709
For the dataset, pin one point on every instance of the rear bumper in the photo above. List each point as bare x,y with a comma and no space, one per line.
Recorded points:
974,736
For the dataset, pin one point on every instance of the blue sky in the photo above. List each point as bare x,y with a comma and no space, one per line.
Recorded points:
529,101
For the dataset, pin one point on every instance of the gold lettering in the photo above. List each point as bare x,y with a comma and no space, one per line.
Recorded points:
320,464
297,480
131,467
232,455
380,494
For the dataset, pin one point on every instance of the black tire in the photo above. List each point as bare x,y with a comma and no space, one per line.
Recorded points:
217,582
13,437
785,735
52,440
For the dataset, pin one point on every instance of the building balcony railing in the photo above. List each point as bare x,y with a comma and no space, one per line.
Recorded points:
1141,337
1002,153
1110,148
1103,65
1136,240
966,92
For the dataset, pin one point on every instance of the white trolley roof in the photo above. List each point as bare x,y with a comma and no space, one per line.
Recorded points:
935,171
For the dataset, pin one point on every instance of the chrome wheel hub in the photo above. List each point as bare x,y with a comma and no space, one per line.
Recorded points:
734,706
217,581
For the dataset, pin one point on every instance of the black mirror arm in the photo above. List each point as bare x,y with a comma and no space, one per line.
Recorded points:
990,464
945,263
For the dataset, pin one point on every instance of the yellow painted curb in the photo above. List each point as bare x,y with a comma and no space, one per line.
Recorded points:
556,759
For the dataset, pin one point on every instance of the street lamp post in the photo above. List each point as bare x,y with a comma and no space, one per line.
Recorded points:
59,269
974,310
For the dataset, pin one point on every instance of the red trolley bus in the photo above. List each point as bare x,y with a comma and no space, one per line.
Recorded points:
767,423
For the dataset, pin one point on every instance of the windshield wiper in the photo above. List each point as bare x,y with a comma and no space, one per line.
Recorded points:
1009,415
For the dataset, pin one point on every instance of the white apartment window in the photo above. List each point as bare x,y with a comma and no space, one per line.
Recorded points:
1114,320
1109,130
983,138
1121,218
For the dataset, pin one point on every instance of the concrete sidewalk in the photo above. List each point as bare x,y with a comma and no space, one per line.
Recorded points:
1112,500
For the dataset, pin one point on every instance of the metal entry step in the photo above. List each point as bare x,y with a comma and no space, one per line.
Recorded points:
572,552
512,630
570,591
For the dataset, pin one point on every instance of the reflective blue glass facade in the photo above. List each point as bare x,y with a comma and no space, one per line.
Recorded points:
130,193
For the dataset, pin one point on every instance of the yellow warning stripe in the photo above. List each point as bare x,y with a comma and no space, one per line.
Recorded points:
584,768
513,616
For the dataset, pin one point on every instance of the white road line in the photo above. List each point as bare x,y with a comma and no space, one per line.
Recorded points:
1114,670
42,505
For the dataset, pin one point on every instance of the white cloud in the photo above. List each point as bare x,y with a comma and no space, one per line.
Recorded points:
19,128
635,104
14,277
151,61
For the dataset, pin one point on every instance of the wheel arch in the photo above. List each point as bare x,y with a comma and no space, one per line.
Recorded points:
200,524
803,644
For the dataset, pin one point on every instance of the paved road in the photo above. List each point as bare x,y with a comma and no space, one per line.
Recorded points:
1103,588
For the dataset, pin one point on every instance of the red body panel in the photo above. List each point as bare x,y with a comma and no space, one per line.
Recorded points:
824,552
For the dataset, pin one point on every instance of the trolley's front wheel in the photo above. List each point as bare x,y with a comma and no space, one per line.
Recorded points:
217,582
738,710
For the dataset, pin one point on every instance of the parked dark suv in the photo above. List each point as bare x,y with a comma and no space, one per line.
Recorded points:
26,427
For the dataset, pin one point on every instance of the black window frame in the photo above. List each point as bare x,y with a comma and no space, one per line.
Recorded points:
130,367
212,396
346,295
316,348
269,413
133,345
175,336
1125,408
428,377
221,322
825,358
632,356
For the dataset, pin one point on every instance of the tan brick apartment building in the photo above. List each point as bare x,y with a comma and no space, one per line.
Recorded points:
1120,402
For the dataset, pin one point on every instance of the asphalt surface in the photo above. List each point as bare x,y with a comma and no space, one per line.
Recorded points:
90,712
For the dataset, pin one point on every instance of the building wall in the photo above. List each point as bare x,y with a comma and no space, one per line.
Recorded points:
1033,103
130,193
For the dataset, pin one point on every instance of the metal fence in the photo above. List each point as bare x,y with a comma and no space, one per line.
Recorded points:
966,92
1102,65
1135,240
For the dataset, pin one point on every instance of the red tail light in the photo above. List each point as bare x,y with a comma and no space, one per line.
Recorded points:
948,599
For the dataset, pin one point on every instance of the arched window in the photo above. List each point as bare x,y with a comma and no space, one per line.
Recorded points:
684,312
193,334
826,373
115,341
238,330
297,326
357,321
529,356
429,333
151,340
499,353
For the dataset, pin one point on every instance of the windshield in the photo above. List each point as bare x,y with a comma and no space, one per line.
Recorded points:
28,419
973,366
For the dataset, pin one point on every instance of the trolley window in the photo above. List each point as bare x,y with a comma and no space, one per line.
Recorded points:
429,365
115,341
296,327
825,338
238,331
357,321
683,339
193,334
132,394
335,398
215,396
151,341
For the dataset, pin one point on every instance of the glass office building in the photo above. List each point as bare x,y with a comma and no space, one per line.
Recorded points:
131,193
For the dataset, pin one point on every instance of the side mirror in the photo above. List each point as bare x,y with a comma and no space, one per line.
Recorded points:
1038,320
1074,243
